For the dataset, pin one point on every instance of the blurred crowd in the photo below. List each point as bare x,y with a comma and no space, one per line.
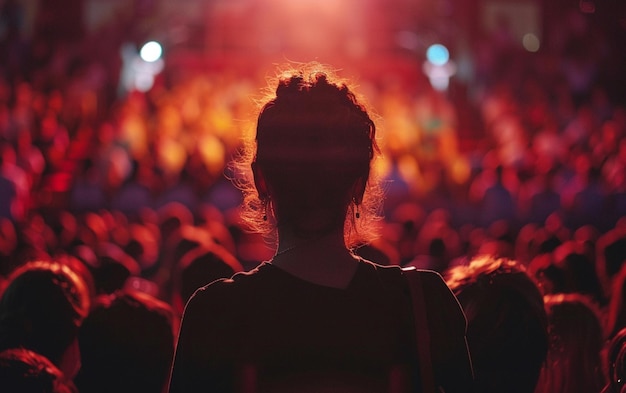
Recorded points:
127,198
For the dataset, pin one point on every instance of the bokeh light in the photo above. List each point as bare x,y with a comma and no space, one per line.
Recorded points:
151,51
531,42
438,54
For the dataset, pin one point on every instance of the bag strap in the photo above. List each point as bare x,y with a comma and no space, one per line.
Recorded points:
421,330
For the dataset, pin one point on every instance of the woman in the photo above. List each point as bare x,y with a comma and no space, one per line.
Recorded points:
316,317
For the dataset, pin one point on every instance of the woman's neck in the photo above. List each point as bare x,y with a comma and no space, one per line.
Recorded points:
322,260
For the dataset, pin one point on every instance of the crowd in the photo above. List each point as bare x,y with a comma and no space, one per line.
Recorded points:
118,206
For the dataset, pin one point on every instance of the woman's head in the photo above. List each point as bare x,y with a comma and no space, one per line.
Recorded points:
312,157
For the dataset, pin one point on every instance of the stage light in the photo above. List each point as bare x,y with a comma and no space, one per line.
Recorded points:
151,51
140,68
438,67
531,42
437,54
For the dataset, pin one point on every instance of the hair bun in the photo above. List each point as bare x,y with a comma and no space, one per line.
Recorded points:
289,86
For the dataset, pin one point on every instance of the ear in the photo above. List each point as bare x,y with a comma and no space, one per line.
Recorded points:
358,190
259,181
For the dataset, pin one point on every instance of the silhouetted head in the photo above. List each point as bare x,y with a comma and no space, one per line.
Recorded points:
311,161
113,268
201,266
573,363
42,308
126,344
25,371
507,324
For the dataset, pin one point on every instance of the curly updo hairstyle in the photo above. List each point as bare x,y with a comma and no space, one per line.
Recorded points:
315,144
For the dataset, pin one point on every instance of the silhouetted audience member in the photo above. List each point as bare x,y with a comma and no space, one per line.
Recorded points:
80,268
135,193
435,259
143,246
589,206
87,191
171,217
573,364
436,244
179,243
578,272
316,317
549,277
171,220
8,195
15,185
201,266
41,309
113,268
610,252
546,200
497,202
126,344
404,224
507,326
24,371
9,244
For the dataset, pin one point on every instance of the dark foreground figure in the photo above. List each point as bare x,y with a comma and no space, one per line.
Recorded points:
315,317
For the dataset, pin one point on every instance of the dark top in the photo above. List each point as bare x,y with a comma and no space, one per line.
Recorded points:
268,330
